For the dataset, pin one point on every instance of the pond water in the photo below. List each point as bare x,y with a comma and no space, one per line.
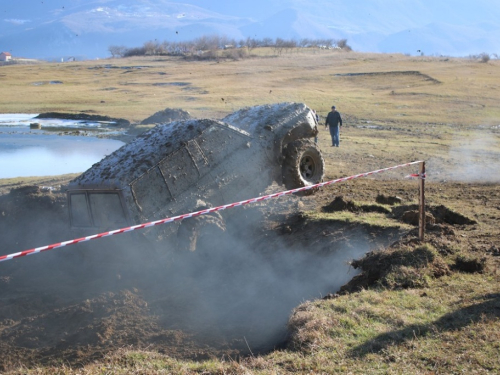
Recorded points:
49,151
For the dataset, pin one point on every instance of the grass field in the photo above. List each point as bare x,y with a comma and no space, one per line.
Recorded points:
414,319
391,89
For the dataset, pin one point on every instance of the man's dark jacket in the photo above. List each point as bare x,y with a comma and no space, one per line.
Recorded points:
333,119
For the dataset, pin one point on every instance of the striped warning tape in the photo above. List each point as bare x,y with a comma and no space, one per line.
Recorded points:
194,214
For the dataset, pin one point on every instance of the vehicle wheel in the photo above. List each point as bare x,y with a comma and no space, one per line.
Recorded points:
303,165
201,231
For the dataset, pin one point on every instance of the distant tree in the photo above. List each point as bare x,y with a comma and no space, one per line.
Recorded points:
151,48
252,43
290,44
165,48
328,43
207,43
484,57
305,42
138,51
342,43
216,47
117,51
279,45
267,42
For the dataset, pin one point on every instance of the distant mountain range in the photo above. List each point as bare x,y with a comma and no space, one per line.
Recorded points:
86,29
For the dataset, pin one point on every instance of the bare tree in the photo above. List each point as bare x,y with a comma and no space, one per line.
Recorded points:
117,51
342,43
305,42
207,43
290,45
267,42
138,51
151,47
484,57
252,43
279,45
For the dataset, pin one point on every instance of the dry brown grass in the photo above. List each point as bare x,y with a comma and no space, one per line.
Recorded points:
446,91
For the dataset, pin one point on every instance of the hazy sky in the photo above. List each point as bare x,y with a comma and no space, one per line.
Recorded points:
458,28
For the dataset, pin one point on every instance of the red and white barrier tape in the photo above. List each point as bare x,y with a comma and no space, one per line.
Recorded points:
194,214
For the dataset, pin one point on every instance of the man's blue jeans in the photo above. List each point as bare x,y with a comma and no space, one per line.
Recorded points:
335,133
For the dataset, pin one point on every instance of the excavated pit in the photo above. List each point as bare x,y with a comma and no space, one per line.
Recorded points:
231,296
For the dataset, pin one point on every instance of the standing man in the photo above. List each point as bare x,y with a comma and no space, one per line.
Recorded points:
334,121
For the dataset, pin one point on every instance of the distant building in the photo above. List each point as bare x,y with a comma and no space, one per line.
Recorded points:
5,56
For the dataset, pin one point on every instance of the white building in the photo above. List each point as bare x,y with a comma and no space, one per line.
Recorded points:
5,56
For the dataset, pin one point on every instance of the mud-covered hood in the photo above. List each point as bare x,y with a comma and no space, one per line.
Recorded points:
284,122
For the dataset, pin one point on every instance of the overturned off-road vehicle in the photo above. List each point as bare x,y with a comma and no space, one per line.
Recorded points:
191,164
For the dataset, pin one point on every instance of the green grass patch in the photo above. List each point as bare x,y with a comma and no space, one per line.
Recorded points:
371,219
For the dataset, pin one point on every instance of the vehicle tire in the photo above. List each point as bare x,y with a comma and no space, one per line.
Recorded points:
303,165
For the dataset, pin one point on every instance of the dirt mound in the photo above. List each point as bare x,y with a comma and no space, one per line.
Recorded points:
408,214
390,200
445,215
407,263
434,214
394,268
166,116
341,204
470,264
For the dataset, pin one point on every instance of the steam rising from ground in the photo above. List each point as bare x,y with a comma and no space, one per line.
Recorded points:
474,159
243,289
238,286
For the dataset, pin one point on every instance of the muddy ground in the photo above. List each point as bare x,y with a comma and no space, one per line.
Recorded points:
230,297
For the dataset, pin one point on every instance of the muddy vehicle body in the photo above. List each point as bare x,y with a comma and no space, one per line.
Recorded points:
192,164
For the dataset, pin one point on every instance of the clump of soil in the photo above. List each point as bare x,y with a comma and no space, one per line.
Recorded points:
389,200
412,217
341,204
166,116
434,214
395,268
445,215
470,264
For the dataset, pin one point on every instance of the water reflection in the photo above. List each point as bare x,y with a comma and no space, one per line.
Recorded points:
28,152
24,119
